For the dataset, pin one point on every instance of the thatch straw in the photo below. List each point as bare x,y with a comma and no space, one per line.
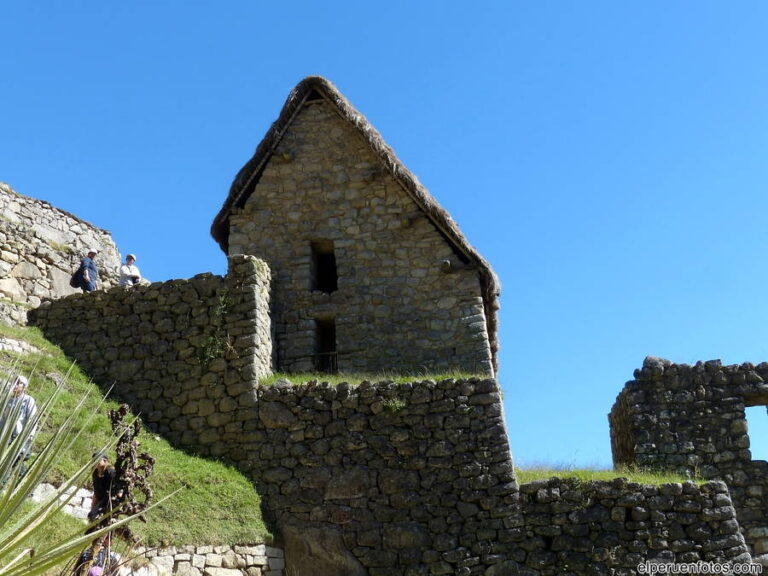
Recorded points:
246,180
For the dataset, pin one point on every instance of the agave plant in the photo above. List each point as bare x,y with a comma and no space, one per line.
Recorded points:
21,520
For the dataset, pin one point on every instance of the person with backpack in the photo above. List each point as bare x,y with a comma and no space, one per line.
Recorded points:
90,274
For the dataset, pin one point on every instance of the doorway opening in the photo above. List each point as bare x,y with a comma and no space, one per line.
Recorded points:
325,345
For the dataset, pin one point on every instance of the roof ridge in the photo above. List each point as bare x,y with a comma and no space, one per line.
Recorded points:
244,183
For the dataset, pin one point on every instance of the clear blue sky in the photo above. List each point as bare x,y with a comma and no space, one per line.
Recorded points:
607,158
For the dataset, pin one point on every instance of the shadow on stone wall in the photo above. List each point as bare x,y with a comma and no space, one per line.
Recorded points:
377,478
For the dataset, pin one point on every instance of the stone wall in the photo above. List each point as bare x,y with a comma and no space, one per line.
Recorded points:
378,478
613,527
40,247
372,479
385,478
692,419
404,298
417,478
184,353
251,560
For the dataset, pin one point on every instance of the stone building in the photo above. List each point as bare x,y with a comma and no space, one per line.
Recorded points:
369,272
692,419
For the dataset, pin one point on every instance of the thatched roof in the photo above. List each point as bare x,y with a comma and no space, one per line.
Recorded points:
312,88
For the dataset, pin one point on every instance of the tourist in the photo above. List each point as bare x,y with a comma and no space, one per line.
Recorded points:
89,271
100,566
23,408
129,272
103,479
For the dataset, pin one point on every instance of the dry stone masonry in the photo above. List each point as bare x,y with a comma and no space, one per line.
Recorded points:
184,353
40,247
253,560
614,527
340,260
368,271
385,478
692,419
382,478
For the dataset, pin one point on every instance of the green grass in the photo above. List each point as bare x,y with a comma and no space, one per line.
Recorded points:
355,378
14,303
215,504
543,472
59,247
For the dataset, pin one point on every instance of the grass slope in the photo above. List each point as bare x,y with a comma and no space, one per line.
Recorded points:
215,503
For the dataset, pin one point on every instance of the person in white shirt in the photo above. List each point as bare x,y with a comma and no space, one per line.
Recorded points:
23,408
129,272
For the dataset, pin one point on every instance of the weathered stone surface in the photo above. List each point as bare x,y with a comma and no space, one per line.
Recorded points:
211,571
403,297
276,415
691,419
174,347
318,550
381,478
43,247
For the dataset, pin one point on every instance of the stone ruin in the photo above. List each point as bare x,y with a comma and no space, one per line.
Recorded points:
382,478
368,271
691,419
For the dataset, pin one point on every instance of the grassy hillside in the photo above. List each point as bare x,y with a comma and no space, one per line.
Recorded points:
215,504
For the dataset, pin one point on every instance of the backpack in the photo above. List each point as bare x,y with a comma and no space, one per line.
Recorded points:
76,280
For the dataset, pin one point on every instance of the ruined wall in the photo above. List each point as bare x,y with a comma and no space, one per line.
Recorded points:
614,527
40,247
379,479
184,353
385,478
398,302
417,478
691,419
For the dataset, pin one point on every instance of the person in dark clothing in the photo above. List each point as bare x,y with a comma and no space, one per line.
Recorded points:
103,479
90,273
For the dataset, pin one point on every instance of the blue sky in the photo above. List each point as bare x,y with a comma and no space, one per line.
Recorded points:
607,158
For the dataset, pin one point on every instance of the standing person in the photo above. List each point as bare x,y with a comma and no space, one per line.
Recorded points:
129,272
103,479
90,272
24,408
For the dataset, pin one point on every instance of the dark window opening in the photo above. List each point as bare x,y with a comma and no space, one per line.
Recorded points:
323,270
325,345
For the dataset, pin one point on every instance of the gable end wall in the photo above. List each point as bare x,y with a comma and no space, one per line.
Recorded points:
400,283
